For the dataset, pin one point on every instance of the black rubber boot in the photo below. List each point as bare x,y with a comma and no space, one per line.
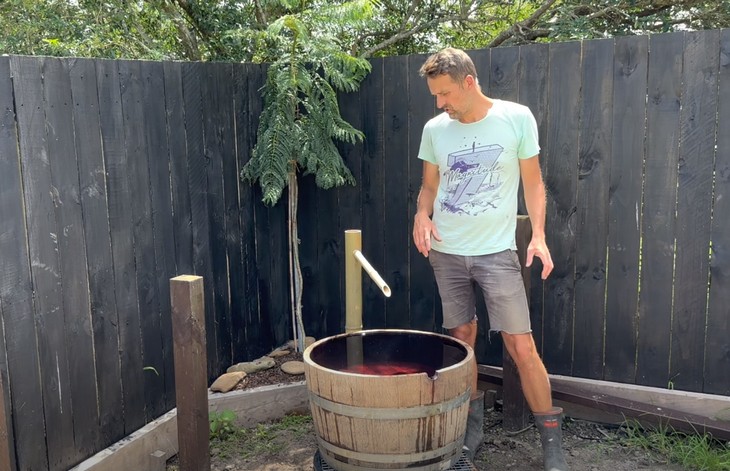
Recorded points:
551,435
474,437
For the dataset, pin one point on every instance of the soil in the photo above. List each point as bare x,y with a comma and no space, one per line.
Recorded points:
588,446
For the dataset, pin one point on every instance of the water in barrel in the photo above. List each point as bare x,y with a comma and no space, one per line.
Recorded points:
389,353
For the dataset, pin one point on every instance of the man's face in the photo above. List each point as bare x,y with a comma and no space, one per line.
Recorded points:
451,96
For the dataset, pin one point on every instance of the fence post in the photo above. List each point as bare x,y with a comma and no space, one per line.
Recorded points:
516,414
191,375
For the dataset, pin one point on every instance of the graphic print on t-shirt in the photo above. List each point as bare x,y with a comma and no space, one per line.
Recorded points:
472,180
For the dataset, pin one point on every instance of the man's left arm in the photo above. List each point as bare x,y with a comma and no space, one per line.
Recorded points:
535,199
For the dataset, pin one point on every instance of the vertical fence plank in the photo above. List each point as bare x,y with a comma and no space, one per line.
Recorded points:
594,164
504,73
533,82
373,179
133,76
422,285
93,193
158,157
561,181
694,207
657,234
175,110
7,457
120,219
249,78
72,258
188,330
197,185
43,233
349,201
261,217
717,348
19,347
396,155
624,206
217,120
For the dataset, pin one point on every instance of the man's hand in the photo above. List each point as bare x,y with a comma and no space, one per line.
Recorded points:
423,230
538,248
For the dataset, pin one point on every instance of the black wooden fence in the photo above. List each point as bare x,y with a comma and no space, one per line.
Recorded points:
117,175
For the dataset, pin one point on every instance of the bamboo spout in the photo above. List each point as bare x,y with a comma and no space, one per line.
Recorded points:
354,260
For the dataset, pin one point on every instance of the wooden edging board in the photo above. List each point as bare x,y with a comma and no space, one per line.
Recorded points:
151,446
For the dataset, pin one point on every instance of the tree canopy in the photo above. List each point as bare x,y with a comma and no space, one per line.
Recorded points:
234,30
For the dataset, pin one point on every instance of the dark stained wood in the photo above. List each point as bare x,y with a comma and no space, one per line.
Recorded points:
133,77
594,166
43,245
7,457
120,220
694,207
100,266
248,79
16,299
717,348
217,120
189,336
174,106
261,323
394,269
373,192
515,408
533,82
192,75
504,73
658,223
349,204
158,155
561,176
421,108
72,259
624,207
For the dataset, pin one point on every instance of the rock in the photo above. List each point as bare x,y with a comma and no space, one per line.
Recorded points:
227,381
307,342
293,367
263,363
279,352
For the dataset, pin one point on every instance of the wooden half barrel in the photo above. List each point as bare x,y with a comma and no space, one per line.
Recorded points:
389,399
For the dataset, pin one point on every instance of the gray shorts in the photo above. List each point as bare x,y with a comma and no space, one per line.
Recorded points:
499,275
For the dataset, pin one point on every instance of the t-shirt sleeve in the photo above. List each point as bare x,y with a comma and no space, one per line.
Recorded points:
529,143
425,152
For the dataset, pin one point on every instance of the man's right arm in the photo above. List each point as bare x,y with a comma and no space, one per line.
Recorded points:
423,227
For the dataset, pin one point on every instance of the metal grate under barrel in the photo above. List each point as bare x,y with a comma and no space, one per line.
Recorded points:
462,465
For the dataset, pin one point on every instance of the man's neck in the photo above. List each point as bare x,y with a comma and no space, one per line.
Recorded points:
482,105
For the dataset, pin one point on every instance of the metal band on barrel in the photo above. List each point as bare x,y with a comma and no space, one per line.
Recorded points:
444,452
416,412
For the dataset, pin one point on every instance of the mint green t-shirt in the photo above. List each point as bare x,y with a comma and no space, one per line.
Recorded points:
475,211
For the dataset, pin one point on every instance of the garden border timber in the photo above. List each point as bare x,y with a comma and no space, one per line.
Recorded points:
151,446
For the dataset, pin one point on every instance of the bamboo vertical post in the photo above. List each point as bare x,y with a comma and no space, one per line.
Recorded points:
191,375
353,281
516,411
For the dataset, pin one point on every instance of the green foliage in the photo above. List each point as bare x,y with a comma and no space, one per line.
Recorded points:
222,424
301,119
700,452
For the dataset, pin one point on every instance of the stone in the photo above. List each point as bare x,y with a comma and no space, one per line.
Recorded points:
279,352
293,367
260,364
307,342
227,381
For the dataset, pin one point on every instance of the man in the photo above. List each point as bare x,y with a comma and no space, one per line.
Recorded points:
474,156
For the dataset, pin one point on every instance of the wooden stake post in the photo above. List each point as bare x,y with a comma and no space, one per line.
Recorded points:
191,375
516,413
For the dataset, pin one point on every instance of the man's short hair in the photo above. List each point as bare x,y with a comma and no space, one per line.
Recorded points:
450,61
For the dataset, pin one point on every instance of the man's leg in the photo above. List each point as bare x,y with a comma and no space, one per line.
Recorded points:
468,333
536,387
